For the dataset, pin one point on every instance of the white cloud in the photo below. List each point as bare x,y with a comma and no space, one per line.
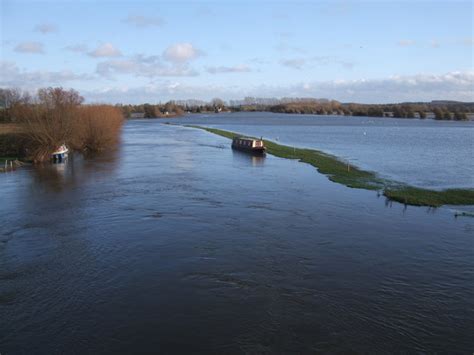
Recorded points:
105,50
120,66
284,46
406,43
469,41
434,43
174,61
240,68
78,48
301,63
295,63
45,28
144,21
181,53
12,76
421,87
30,47
143,66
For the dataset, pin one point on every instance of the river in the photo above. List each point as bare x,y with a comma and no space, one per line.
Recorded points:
175,243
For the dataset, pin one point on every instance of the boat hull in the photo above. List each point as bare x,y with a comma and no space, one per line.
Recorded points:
60,154
256,150
250,145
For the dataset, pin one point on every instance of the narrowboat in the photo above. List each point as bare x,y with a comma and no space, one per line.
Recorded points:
248,144
60,154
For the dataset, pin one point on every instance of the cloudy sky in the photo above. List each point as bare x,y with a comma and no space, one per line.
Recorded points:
152,51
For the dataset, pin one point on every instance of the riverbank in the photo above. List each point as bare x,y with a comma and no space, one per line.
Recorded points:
9,144
351,176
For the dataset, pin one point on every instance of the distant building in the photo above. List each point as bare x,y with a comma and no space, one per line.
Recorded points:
137,115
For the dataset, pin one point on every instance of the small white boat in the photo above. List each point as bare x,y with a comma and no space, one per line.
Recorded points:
60,154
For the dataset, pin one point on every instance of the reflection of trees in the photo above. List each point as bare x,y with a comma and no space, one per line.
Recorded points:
76,170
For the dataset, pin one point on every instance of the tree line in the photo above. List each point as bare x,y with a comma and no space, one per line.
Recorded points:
440,110
171,109
446,111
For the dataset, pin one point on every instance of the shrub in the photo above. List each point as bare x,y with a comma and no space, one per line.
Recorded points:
57,117
97,127
47,124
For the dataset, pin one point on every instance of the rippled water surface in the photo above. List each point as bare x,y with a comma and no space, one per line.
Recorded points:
425,153
177,244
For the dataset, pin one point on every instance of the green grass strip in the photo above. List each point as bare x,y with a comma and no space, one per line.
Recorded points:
351,176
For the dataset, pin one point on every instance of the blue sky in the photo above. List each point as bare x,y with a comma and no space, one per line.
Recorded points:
153,51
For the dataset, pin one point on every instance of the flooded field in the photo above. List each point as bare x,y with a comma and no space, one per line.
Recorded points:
424,153
176,243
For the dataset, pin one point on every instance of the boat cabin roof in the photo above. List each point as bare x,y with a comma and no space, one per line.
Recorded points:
247,139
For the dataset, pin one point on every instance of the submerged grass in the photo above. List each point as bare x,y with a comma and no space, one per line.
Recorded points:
351,176
10,147
6,159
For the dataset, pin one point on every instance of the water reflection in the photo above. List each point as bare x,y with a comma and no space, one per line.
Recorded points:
74,171
255,159
54,177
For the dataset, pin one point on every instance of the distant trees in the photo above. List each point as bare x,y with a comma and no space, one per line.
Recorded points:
59,98
438,113
460,116
168,109
409,112
9,98
314,107
453,110
398,112
172,108
375,112
126,110
217,103
440,109
149,111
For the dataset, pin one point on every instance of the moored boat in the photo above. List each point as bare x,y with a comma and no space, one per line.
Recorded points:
248,144
60,154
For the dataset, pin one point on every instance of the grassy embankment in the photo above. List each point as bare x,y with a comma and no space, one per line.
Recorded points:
351,176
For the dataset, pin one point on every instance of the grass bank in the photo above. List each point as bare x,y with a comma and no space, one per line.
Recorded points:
351,176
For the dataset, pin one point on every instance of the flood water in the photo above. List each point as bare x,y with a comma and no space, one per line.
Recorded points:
176,244
425,153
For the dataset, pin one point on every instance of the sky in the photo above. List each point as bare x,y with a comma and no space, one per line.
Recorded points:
154,51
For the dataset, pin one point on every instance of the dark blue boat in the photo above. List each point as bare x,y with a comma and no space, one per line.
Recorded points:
248,144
